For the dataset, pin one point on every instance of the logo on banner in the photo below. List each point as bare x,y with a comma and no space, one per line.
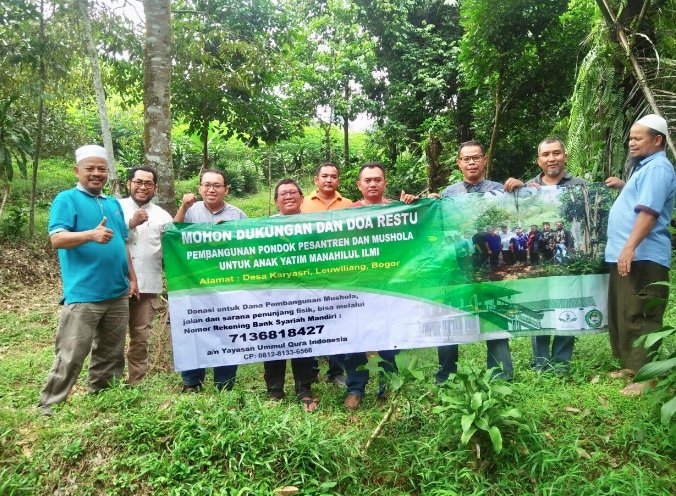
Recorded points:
567,317
594,318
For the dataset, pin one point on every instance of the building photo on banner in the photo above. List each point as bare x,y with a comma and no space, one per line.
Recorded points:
473,267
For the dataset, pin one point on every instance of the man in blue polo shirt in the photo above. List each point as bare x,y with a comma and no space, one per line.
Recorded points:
639,245
88,229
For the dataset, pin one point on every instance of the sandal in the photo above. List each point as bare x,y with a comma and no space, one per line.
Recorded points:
309,404
619,374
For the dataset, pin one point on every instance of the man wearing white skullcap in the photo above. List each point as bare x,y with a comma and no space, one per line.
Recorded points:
639,246
88,229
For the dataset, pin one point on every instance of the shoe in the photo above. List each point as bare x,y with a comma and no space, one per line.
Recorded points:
337,379
352,402
45,410
192,389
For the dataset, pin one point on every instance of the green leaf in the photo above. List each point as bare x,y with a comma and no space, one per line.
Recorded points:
477,400
654,337
396,383
505,390
481,423
654,369
653,303
668,410
496,438
440,409
466,421
467,435
418,374
512,412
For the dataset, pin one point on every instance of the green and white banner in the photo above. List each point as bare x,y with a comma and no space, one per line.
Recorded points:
390,276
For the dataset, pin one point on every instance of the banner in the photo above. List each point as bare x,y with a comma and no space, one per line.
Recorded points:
391,276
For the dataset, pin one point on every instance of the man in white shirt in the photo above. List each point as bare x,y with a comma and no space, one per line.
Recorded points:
145,222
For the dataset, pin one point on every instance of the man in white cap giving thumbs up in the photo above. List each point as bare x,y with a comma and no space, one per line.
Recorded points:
88,229
639,245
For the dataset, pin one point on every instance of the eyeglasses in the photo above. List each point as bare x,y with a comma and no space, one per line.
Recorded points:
287,193
216,187
475,158
138,183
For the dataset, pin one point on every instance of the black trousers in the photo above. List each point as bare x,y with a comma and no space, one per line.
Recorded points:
302,375
495,259
628,315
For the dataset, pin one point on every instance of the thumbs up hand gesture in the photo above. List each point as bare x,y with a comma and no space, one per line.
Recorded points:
101,234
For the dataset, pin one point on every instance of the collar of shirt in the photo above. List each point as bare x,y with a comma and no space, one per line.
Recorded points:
648,159
473,188
79,187
225,205
145,206
315,195
564,179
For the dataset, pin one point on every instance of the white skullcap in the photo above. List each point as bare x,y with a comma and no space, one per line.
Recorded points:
87,151
654,121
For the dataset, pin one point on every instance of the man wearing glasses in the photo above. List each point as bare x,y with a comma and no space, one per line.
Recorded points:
213,208
472,163
145,222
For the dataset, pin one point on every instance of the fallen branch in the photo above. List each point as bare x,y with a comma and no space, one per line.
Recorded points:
382,423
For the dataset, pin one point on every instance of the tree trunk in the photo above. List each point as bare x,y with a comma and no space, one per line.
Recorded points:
93,56
587,219
496,122
205,146
346,128
157,99
5,194
327,130
269,180
436,175
38,139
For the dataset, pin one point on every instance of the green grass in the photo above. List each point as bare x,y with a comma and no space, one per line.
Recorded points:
585,437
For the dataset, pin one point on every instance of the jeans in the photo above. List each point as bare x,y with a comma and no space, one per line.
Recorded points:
356,379
562,351
497,353
336,367
560,252
224,376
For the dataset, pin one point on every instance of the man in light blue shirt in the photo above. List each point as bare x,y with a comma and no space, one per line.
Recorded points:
639,245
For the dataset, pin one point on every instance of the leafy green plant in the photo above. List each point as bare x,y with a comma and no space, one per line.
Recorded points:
664,368
407,381
14,224
480,403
